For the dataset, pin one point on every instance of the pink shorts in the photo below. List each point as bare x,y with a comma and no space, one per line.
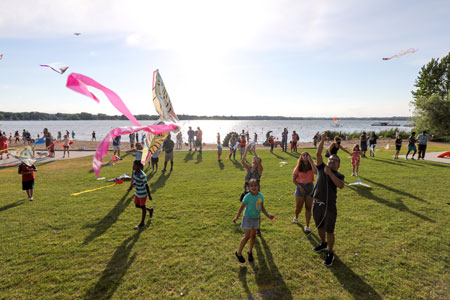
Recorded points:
355,162
140,201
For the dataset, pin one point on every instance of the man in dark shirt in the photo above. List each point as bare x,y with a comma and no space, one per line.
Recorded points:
168,149
324,204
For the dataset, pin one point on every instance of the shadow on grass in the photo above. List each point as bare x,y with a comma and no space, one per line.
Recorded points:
189,156
115,269
237,164
243,279
396,162
8,206
393,190
348,279
399,205
268,278
109,219
199,158
221,165
160,182
296,155
278,156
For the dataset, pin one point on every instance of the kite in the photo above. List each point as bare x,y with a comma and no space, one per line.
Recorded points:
151,144
54,67
79,83
1,56
358,182
401,53
25,155
161,99
76,33
102,149
283,163
39,141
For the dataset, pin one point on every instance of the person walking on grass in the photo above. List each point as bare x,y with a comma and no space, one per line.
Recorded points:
27,171
295,139
422,142
372,143
334,147
232,143
253,203
168,149
411,145
324,203
363,143
356,158
303,178
219,152
284,138
116,145
398,145
141,192
191,135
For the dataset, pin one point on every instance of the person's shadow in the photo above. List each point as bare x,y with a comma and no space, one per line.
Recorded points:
394,190
268,278
348,279
237,164
160,182
116,268
8,206
199,158
278,156
189,156
108,220
221,165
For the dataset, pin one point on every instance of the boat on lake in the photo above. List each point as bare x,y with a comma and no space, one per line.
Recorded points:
384,124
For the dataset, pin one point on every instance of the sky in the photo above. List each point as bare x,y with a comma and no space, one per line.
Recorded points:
278,58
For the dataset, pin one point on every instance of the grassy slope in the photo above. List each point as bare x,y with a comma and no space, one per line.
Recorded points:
65,247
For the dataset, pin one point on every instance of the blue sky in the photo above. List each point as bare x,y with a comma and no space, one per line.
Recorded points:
288,58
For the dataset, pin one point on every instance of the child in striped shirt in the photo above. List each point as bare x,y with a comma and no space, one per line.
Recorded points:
141,191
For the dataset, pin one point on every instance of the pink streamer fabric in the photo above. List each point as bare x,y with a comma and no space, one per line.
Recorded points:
102,149
79,83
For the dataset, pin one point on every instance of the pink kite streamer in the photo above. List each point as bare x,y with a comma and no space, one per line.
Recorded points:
79,83
102,149
401,53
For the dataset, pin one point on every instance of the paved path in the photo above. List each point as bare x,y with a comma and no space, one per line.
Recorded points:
58,156
432,156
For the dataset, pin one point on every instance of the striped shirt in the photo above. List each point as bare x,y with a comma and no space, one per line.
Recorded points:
140,181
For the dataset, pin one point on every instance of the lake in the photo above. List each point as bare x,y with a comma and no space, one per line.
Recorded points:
305,128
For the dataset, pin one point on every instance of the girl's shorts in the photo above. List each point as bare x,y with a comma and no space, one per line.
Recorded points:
140,201
398,148
412,148
308,187
155,160
249,223
27,185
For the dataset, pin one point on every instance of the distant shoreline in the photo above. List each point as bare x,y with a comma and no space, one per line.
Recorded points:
39,116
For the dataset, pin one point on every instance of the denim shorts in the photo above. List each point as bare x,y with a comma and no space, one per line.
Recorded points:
249,223
308,187
412,148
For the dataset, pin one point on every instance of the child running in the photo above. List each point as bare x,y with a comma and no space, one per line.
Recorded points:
411,145
27,172
356,157
219,151
253,203
398,145
141,192
324,203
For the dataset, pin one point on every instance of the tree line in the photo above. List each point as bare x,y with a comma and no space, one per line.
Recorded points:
40,116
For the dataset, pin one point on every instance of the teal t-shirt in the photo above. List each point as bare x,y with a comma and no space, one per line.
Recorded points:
253,205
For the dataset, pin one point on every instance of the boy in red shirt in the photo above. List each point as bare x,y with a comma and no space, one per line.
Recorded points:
27,178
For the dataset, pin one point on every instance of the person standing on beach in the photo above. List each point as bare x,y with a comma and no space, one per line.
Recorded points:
315,139
284,138
3,146
168,149
324,203
191,141
59,135
66,145
73,135
200,138
255,138
422,141
295,139
93,136
363,143
17,136
132,137
27,172
398,145
116,145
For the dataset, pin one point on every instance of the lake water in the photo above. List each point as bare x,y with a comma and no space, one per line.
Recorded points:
305,128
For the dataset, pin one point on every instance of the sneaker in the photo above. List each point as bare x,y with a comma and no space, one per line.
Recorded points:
412,158
250,256
329,259
321,247
139,226
406,158
307,229
357,174
171,169
240,258
295,220
150,212
164,170
353,174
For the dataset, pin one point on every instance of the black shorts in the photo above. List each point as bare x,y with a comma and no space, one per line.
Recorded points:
154,160
398,148
324,217
27,185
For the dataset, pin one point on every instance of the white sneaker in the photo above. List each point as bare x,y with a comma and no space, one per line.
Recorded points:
357,174
353,174
295,220
307,229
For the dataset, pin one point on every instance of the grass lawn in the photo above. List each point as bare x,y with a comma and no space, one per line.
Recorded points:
392,241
